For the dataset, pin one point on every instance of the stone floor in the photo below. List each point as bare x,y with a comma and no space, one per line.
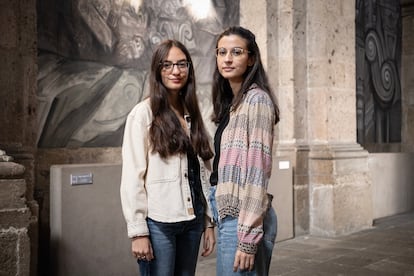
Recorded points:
385,249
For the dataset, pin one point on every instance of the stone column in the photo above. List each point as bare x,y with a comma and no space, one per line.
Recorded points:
14,219
280,32
309,48
340,197
18,83
293,98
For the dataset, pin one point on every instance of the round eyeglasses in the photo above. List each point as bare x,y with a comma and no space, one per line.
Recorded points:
168,66
235,52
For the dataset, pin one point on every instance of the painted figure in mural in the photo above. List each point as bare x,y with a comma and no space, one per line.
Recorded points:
93,74
166,154
93,57
245,112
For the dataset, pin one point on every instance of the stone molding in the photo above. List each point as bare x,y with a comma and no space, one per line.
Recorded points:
11,169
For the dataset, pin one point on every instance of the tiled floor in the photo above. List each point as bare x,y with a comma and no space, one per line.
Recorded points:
385,249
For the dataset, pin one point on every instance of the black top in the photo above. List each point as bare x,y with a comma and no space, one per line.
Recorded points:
217,141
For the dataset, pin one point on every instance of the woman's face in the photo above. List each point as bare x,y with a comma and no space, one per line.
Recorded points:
174,70
233,57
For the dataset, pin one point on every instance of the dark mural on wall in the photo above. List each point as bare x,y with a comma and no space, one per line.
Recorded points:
94,58
378,63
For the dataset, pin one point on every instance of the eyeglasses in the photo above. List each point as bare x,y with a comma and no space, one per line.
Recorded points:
169,65
235,52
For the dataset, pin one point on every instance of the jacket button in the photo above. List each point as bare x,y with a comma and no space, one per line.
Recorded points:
185,175
188,199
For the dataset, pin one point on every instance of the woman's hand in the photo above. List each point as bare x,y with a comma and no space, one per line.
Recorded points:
243,261
209,242
142,249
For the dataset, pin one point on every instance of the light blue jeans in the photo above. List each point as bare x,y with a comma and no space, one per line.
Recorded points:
227,243
175,247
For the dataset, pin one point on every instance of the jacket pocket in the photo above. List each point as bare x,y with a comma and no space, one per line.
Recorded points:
163,170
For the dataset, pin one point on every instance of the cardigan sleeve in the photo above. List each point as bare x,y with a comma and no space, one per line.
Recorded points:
134,164
254,200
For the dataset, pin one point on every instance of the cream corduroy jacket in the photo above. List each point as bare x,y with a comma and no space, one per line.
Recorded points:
151,186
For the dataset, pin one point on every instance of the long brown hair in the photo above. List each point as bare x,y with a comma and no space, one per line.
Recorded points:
166,134
221,91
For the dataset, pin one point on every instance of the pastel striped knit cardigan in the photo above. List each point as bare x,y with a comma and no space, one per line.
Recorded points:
245,166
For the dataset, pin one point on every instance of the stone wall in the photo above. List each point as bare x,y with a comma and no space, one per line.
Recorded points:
18,132
15,217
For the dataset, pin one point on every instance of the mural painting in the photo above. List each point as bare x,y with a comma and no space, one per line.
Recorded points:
94,58
378,63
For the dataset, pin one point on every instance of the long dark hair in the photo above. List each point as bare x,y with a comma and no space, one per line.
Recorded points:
166,134
255,74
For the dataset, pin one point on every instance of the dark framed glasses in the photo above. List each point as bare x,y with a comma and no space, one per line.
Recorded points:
168,66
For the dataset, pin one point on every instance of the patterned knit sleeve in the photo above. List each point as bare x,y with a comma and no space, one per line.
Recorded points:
258,163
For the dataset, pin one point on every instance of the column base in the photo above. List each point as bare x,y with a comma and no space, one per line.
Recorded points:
340,193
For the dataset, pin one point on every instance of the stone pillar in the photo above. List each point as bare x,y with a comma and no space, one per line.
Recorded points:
278,29
407,78
340,196
309,48
281,34
293,97
18,84
14,219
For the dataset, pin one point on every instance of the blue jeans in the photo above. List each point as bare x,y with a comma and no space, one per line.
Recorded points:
175,247
227,243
